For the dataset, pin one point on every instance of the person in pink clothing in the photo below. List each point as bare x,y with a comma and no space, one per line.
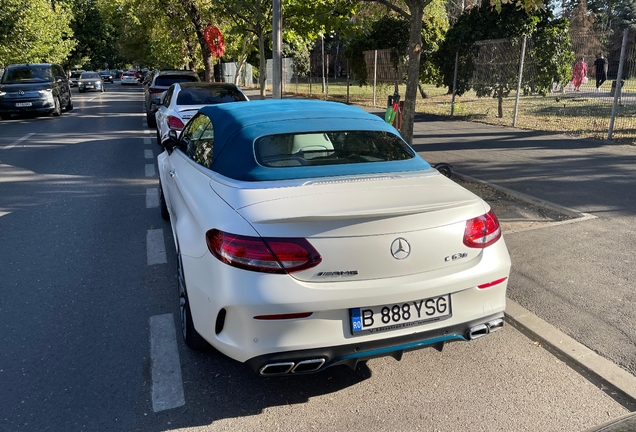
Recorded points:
579,74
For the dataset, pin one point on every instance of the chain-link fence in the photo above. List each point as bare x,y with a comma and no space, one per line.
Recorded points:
578,106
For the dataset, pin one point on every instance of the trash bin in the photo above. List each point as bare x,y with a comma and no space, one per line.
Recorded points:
613,91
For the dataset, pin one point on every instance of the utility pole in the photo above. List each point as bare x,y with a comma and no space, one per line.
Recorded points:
277,62
322,49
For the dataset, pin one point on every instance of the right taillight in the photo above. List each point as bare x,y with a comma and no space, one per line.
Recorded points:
482,231
175,123
268,255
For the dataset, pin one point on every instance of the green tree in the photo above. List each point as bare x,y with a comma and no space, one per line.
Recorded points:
392,32
551,52
91,32
35,31
414,12
254,17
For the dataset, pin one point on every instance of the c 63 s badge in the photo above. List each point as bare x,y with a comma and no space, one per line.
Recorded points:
455,257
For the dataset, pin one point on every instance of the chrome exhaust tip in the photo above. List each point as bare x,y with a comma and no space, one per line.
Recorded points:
478,331
495,325
276,368
308,365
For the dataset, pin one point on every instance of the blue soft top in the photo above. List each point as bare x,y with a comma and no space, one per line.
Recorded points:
238,125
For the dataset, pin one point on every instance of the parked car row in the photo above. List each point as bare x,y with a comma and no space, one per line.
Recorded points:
158,82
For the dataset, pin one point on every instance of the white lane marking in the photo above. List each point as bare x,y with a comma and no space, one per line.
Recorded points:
18,141
150,170
155,247
152,198
148,154
167,383
146,140
146,131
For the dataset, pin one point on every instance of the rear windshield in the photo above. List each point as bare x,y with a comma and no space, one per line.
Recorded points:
208,96
168,80
27,74
330,148
76,74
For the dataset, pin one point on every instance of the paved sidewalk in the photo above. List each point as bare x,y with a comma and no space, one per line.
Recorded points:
571,284
578,277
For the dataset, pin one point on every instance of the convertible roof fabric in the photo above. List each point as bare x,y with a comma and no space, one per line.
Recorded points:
238,125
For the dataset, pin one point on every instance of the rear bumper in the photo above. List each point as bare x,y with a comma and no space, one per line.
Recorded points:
315,360
225,301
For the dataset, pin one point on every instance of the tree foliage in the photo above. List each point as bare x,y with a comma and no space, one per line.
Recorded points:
391,31
551,51
96,34
35,31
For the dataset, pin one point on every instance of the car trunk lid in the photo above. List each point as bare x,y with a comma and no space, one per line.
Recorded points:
367,227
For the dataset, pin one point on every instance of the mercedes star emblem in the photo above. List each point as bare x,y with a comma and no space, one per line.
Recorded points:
400,248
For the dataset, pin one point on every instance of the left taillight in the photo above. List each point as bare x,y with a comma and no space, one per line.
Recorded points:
267,255
482,231
175,123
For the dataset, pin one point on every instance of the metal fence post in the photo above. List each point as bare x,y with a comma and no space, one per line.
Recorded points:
375,73
327,80
348,82
454,83
296,73
520,76
322,38
619,87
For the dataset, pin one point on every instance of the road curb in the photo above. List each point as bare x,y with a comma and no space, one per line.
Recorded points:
529,198
611,375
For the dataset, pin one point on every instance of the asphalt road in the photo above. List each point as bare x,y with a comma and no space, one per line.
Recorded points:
88,269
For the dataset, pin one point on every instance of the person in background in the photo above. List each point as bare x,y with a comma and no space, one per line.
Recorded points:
600,69
579,74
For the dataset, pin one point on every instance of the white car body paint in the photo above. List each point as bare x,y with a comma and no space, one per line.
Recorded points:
352,224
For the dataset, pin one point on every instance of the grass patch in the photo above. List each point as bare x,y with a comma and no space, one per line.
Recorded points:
583,114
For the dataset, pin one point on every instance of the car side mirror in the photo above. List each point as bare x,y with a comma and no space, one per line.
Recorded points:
172,142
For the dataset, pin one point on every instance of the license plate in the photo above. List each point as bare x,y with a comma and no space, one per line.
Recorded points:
375,319
23,104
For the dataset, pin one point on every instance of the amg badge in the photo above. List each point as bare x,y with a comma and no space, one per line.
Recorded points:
338,273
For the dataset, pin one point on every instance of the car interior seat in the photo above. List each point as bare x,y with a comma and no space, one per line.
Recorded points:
312,145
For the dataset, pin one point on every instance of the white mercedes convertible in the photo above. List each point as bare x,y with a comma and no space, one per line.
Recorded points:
309,234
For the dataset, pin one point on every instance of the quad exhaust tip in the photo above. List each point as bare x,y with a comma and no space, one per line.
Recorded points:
482,330
283,368
313,365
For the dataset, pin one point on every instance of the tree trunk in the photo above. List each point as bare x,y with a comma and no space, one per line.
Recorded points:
262,63
500,106
195,18
242,58
190,51
422,92
416,8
